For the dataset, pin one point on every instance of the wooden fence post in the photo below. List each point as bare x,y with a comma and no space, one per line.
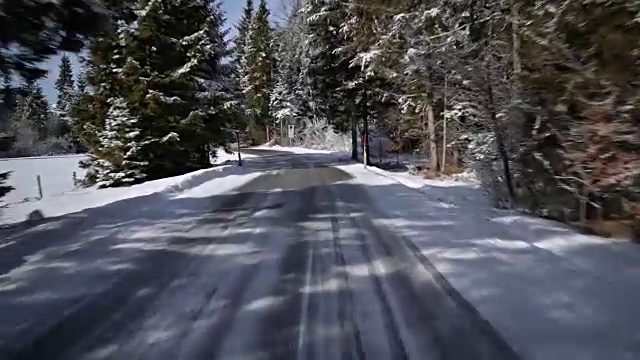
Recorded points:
39,182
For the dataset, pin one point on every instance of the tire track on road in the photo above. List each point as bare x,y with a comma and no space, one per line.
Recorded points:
352,348
457,332
95,319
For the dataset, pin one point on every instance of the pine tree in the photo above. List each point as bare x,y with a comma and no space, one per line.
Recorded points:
66,96
105,59
7,102
81,87
240,42
116,158
76,108
35,30
64,87
333,83
288,98
187,80
30,118
171,74
259,78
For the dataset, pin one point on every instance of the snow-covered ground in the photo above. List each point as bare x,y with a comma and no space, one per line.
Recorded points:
56,174
552,293
61,198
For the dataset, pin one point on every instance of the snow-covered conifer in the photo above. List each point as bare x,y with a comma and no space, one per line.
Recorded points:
116,160
258,81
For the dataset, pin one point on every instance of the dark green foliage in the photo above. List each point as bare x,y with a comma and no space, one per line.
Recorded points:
29,120
258,81
31,31
240,41
178,95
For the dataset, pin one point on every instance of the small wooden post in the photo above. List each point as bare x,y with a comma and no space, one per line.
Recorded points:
239,156
39,183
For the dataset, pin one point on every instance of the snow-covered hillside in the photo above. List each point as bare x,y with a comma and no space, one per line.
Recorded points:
56,173
60,197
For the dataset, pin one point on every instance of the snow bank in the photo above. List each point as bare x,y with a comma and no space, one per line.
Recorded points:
81,199
302,151
550,292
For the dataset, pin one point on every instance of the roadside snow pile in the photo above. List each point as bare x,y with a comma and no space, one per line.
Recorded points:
81,199
223,157
550,292
300,150
459,189
57,174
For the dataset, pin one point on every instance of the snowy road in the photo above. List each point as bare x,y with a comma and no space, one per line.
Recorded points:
288,266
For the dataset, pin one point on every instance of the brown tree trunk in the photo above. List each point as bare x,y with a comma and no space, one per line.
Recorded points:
354,139
431,132
497,129
635,226
444,127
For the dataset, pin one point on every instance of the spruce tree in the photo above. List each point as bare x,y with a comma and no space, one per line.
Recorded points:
32,31
171,75
116,158
105,59
66,96
259,78
240,41
187,81
76,108
64,87
290,100
31,115
81,85
7,102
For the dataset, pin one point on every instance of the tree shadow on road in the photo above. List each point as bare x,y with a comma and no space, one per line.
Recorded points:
201,270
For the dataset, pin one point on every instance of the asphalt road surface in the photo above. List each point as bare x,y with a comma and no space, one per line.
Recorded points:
288,266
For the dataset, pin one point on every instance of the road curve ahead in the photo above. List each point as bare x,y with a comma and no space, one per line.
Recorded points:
292,265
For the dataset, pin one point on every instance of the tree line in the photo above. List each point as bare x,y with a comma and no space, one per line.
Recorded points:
539,97
30,126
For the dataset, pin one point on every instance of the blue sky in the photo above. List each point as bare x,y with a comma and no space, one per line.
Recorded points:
232,8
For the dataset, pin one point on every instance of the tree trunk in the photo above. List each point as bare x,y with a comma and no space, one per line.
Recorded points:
455,156
354,139
431,131
365,128
515,38
444,127
635,226
501,147
516,111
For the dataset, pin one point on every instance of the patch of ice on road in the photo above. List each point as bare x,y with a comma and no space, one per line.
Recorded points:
264,303
550,292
